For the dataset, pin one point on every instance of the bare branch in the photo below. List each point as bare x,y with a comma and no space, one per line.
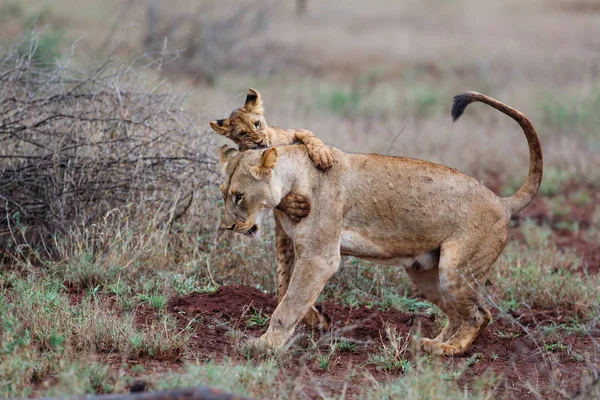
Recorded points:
74,145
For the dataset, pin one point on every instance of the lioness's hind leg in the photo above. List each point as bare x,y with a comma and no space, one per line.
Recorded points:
454,323
463,272
316,318
428,283
475,318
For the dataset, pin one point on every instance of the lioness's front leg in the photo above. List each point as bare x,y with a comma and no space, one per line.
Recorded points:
308,279
296,207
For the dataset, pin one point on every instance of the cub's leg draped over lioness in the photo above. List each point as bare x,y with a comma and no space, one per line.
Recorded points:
248,128
445,228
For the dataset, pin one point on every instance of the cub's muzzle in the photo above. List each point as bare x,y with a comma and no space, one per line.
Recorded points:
263,144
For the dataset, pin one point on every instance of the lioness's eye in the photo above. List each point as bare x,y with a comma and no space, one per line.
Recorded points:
257,124
237,198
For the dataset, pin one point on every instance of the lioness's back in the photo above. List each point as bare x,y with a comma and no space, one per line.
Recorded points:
402,175
409,194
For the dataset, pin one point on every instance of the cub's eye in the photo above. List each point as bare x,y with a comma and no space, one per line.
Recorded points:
257,124
242,134
237,198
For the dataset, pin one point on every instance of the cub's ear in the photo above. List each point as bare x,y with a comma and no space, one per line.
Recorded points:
253,103
267,163
221,126
225,154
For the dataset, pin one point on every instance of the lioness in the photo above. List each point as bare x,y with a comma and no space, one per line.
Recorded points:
248,128
445,228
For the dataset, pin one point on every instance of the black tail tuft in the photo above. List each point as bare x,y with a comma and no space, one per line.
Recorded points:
461,102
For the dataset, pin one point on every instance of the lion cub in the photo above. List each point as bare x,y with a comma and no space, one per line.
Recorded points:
247,127
443,227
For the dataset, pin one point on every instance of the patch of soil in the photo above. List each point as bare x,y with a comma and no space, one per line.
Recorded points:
562,236
226,302
511,348
588,251
582,214
217,314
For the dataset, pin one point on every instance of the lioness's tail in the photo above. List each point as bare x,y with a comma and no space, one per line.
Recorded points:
525,194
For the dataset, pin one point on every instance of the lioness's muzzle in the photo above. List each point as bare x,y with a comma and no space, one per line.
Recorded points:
241,229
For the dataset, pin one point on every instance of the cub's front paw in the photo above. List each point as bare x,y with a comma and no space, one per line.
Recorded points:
321,156
295,206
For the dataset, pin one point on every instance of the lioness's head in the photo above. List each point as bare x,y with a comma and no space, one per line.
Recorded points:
247,193
246,126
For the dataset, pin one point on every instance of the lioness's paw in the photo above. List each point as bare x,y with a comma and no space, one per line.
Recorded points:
316,318
427,344
321,156
295,206
447,350
438,349
256,348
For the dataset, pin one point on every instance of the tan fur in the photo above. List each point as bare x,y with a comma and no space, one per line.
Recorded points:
248,128
443,227
241,128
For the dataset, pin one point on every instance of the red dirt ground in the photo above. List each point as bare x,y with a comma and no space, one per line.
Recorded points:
582,214
506,348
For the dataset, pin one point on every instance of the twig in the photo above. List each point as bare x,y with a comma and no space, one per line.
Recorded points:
395,138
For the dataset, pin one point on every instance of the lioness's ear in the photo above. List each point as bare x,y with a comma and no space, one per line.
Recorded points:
267,163
225,154
253,102
221,126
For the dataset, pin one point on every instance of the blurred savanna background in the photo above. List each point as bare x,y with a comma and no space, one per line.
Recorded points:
114,274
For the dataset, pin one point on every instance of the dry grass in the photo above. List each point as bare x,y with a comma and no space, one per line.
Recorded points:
546,278
394,353
43,333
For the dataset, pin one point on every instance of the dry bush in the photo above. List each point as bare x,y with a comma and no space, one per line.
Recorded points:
75,145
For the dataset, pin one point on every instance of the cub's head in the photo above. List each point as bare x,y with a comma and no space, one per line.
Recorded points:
246,126
247,191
